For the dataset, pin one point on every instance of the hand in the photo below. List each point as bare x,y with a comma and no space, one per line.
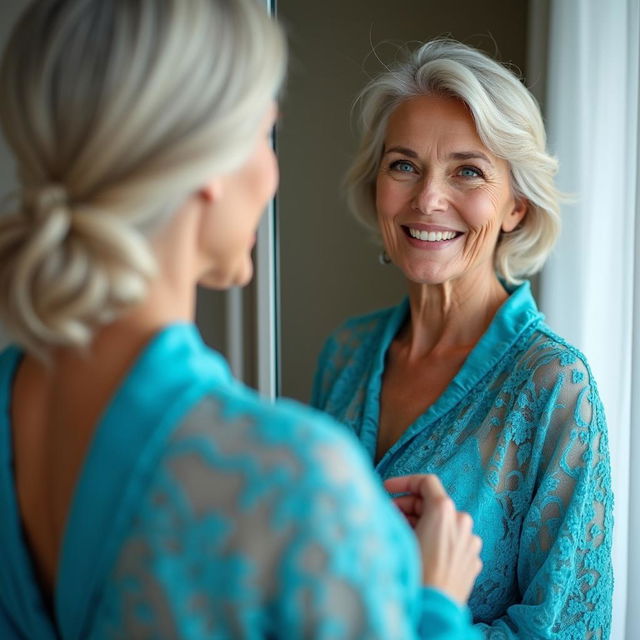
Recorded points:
450,551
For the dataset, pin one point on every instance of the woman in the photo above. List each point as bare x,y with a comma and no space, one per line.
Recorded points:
145,493
465,380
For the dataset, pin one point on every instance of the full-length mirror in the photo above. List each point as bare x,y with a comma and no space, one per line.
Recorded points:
329,269
447,366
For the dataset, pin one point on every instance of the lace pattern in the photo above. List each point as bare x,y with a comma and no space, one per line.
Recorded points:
522,447
204,512
251,531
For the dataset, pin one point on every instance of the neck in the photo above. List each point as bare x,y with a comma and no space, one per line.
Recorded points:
452,315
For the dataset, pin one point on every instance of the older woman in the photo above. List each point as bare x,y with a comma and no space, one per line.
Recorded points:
146,493
464,379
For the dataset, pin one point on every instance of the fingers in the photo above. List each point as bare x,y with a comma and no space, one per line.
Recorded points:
412,520
417,491
411,508
398,484
464,522
409,505
450,549
426,485
475,547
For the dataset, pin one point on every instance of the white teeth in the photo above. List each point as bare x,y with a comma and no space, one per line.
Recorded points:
432,236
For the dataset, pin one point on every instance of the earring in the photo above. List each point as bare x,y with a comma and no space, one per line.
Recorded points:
383,257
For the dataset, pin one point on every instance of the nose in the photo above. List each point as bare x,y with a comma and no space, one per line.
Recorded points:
430,196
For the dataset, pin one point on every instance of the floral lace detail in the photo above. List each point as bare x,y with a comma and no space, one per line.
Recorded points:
260,525
524,450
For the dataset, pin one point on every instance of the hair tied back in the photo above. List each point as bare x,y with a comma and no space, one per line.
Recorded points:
48,205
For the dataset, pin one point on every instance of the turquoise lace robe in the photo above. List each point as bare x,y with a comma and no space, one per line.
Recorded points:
519,440
203,512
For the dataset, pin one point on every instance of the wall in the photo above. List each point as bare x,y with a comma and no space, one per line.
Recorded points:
9,11
329,270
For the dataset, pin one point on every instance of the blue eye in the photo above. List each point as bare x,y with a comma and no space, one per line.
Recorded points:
402,166
470,172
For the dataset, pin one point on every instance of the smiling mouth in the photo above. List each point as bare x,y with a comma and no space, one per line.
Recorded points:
431,236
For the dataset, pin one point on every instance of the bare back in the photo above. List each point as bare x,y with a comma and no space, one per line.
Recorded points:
54,414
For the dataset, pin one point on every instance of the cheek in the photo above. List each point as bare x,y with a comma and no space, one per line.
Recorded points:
261,180
482,212
389,197
273,174
483,216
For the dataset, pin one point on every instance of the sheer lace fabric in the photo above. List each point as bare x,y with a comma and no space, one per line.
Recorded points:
204,512
228,542
254,532
519,439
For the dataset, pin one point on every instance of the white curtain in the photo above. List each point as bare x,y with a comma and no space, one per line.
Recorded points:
590,290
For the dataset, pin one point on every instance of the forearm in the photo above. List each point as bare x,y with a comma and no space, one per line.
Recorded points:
442,619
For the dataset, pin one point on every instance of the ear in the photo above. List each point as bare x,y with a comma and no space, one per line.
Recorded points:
212,191
515,216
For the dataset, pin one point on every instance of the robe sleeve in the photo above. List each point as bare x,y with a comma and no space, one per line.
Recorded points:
259,526
564,564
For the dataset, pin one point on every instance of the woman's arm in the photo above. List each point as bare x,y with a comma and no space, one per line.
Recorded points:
564,562
281,530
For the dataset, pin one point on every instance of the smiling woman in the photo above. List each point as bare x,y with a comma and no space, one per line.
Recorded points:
439,214
464,379
145,491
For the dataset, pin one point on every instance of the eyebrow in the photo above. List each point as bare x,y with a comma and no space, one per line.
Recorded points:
470,155
405,151
456,155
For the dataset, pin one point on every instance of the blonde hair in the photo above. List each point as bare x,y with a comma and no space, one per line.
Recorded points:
509,124
116,111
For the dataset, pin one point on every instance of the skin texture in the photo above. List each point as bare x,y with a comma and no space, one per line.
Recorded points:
437,175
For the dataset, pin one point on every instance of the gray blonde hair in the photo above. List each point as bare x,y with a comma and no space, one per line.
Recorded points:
508,122
116,112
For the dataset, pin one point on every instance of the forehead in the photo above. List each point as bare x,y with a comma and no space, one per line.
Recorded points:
422,121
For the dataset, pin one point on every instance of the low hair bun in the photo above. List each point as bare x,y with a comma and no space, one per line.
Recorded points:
46,210
66,269
116,113
45,201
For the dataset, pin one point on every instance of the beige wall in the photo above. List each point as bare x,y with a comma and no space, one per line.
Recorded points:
9,11
329,271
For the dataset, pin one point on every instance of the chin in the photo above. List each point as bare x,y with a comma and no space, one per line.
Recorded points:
244,274
426,276
244,280
240,278
221,280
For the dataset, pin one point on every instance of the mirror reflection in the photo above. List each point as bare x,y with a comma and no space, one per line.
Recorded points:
329,268
445,364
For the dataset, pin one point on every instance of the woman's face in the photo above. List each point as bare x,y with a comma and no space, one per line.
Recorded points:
442,197
237,206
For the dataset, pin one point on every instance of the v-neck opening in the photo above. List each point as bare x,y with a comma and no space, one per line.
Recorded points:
119,462
109,475
516,314
31,598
